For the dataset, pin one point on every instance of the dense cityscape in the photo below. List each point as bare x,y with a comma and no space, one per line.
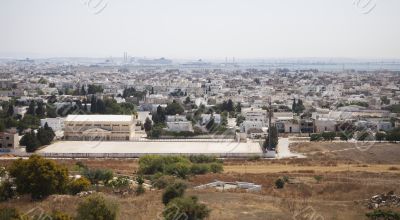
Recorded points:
199,110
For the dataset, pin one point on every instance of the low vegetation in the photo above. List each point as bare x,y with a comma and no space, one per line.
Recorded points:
178,166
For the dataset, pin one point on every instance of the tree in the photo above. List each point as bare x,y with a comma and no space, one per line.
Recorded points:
31,108
210,124
148,125
100,106
238,107
30,141
83,90
10,110
274,139
96,207
40,110
240,119
93,89
39,177
159,116
187,100
393,135
380,136
45,135
6,191
51,112
173,191
174,108
93,106
187,208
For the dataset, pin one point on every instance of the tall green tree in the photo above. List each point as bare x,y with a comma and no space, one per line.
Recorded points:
30,141
174,108
31,108
148,125
45,135
274,139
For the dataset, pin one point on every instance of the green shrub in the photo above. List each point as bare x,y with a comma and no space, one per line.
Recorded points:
345,136
318,178
380,136
57,215
9,214
315,137
180,169
285,179
186,208
172,191
119,182
78,185
140,190
199,169
328,136
97,175
6,191
140,180
202,159
279,183
163,181
383,214
151,164
96,207
38,176
216,168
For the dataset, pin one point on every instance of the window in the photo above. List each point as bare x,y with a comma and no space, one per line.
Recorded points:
9,145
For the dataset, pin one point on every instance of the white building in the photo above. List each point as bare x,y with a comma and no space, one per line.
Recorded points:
57,124
256,115
324,124
178,126
177,123
205,118
99,127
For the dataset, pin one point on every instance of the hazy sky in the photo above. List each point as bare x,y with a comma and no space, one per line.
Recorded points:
200,28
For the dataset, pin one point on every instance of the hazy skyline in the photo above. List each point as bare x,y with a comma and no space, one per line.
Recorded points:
200,29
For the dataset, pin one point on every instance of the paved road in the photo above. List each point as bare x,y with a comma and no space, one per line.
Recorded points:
284,151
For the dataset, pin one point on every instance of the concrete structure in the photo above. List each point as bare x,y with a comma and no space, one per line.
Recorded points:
57,124
8,140
221,185
177,123
324,124
99,127
205,118
226,148
256,114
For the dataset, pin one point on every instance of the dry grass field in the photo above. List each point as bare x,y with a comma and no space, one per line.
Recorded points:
345,179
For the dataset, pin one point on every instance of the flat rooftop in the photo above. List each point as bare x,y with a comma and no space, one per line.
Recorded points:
101,118
136,149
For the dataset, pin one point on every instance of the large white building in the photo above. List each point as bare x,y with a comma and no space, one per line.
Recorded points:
57,124
99,127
